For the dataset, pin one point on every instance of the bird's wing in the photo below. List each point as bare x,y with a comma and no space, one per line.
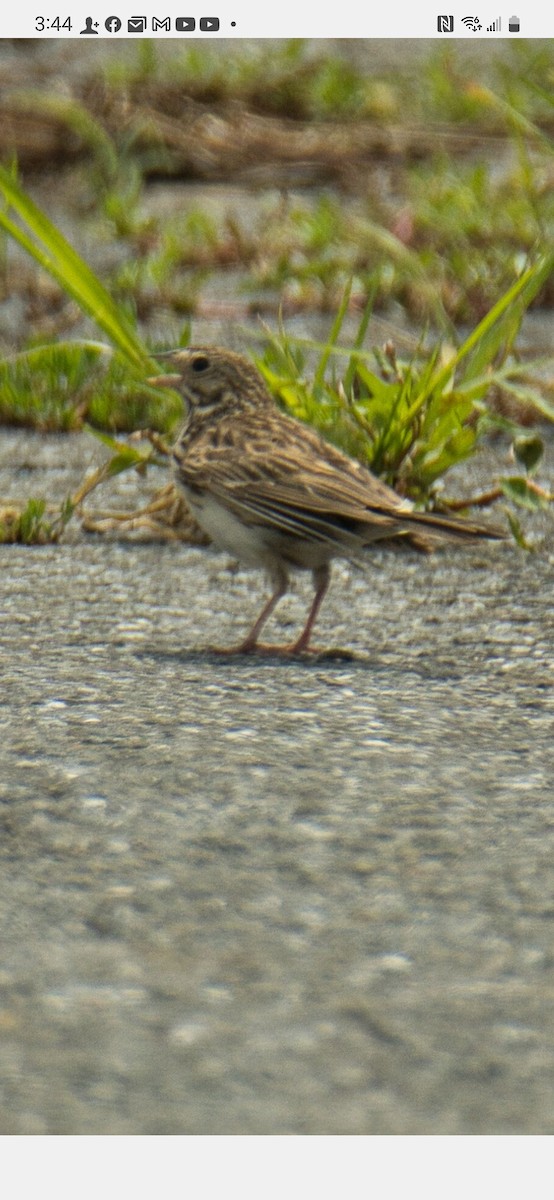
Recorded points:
292,480
287,477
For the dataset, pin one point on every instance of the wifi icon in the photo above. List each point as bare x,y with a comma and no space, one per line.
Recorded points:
472,23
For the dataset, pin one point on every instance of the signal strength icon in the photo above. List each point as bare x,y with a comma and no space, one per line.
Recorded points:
472,23
495,27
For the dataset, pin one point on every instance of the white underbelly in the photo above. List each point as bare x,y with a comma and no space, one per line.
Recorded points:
228,533
255,545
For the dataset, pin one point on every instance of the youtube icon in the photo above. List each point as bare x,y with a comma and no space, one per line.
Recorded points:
209,24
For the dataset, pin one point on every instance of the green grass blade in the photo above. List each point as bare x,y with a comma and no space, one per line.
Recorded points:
523,291
53,253
335,331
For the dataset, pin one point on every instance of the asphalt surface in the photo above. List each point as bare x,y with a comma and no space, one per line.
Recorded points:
256,896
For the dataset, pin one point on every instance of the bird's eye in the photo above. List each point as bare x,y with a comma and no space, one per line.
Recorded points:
200,363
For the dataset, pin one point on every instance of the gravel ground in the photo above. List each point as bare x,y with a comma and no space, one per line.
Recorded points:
269,897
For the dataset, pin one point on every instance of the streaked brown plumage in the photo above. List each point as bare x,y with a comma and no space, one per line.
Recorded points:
271,490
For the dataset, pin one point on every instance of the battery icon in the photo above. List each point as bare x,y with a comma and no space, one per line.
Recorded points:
513,24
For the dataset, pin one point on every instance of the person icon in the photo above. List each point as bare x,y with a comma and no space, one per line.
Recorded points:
88,27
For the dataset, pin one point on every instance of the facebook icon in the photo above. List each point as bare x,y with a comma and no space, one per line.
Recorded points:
112,24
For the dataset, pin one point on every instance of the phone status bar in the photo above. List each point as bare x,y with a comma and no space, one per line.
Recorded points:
283,22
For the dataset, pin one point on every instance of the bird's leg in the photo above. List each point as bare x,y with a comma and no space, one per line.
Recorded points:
250,643
321,577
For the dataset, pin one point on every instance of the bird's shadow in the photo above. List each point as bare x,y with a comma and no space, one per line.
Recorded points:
331,660
270,657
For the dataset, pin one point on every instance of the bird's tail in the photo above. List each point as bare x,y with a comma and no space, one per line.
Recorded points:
444,526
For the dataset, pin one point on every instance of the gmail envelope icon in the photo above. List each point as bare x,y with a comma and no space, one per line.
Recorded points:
161,23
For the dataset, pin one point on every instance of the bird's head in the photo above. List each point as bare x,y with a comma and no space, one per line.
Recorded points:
209,377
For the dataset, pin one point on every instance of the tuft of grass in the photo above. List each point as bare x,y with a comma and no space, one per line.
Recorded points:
412,422
61,386
26,523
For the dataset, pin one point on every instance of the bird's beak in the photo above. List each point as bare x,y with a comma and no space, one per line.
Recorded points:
169,381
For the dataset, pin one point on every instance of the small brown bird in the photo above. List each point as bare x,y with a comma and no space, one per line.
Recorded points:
271,490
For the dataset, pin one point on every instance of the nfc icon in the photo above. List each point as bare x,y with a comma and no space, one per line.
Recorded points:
445,24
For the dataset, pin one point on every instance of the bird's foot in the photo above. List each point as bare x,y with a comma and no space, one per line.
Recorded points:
251,648
294,650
